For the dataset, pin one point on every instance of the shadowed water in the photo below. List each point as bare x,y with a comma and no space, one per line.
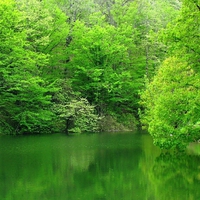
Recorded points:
122,166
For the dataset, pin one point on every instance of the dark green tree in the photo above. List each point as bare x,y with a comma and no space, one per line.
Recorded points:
101,67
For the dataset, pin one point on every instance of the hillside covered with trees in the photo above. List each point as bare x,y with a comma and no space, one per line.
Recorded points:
95,65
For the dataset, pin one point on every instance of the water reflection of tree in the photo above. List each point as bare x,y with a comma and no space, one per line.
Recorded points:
32,168
176,176
113,175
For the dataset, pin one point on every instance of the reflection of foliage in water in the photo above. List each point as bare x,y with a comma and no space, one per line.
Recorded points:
88,167
95,167
176,176
111,178
150,153
194,148
31,168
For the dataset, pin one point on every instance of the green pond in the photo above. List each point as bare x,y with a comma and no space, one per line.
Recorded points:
122,166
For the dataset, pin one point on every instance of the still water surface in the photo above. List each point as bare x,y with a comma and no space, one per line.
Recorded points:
95,167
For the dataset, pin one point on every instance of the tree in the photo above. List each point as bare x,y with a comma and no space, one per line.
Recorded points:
46,33
172,105
73,113
25,96
153,16
182,35
101,66
171,99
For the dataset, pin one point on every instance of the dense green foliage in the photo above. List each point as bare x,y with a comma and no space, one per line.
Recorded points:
25,96
171,100
72,65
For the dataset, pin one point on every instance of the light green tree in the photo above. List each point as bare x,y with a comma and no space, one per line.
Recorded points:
171,104
46,33
171,100
25,96
74,114
182,35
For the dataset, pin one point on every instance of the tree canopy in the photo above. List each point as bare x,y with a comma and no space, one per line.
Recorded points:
171,100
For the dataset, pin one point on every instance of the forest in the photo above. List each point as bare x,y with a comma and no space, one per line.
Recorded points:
76,66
